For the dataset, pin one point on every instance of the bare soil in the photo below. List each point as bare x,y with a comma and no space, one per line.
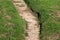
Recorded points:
33,26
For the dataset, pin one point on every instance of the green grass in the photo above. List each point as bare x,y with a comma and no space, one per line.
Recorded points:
11,24
50,11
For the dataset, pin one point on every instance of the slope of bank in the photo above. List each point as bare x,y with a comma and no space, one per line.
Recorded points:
50,17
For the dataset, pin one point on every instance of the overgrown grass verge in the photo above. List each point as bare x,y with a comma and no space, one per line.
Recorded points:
50,17
11,24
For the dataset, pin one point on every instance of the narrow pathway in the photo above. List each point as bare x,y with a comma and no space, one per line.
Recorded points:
32,21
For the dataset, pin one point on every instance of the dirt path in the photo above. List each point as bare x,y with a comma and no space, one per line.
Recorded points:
32,22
